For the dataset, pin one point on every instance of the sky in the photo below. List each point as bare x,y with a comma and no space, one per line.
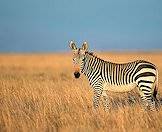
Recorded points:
48,25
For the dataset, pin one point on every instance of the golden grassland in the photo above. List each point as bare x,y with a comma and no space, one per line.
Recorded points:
39,93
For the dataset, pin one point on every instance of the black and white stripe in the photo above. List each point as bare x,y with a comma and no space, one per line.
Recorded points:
104,76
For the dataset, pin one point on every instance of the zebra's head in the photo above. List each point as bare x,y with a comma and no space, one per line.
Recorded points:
78,57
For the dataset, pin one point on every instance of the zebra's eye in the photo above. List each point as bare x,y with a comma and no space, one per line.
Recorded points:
74,59
83,59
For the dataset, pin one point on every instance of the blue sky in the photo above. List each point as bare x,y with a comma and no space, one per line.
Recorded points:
48,25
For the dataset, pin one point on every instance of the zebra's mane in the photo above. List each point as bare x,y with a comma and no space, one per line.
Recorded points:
92,54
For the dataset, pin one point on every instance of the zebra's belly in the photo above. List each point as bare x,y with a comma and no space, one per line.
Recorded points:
119,88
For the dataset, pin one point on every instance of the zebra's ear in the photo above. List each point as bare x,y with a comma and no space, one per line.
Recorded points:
72,45
85,46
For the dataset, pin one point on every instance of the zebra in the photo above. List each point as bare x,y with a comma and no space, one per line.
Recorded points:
106,76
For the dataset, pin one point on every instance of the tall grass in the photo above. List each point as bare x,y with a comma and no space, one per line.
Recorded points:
39,93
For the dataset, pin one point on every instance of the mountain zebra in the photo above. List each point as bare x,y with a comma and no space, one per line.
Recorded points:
107,76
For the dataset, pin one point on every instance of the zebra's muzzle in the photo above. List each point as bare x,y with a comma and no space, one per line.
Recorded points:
76,74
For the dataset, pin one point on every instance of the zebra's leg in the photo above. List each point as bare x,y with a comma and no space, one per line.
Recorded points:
105,101
144,102
147,98
152,104
146,85
149,102
96,97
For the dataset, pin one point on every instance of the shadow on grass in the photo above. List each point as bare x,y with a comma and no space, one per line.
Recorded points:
129,100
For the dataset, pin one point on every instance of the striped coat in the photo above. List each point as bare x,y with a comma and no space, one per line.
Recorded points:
107,76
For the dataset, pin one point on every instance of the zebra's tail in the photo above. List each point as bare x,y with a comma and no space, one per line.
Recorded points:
155,92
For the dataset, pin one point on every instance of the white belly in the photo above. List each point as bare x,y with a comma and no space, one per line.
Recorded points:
119,88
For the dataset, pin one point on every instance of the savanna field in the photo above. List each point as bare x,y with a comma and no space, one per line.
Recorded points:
38,93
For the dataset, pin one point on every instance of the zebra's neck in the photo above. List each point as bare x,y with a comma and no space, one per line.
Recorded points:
91,64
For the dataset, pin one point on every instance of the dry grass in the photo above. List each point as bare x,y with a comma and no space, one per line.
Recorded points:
39,93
